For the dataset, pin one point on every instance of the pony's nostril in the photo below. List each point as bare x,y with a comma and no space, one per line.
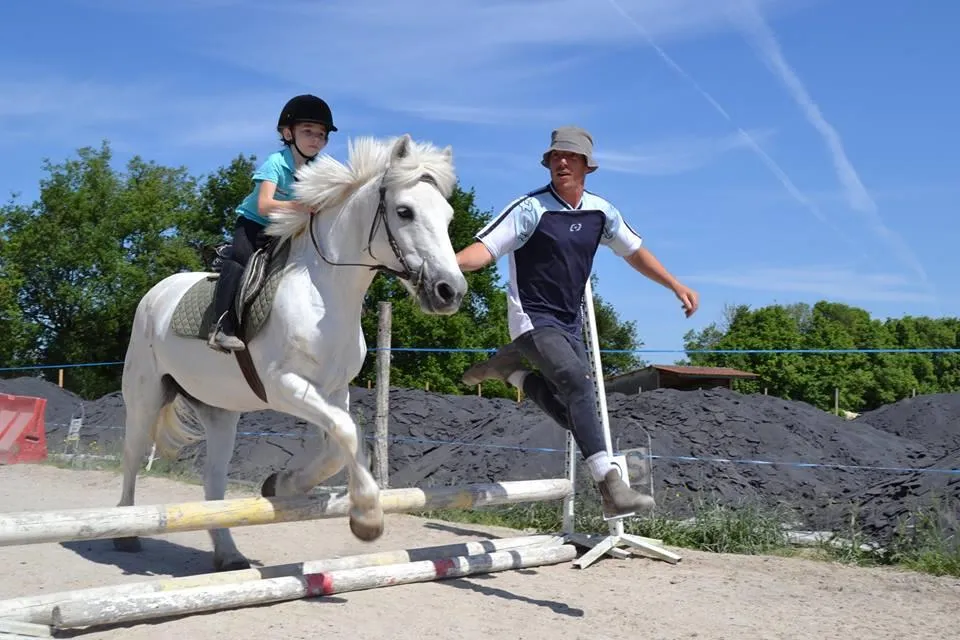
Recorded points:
445,292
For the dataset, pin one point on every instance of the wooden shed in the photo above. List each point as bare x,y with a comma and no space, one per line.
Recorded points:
666,376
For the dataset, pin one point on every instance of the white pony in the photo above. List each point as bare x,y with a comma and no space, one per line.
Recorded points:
385,210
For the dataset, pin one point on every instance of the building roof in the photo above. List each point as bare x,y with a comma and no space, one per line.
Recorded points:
691,372
709,372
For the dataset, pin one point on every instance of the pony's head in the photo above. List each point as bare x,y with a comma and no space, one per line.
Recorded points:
407,223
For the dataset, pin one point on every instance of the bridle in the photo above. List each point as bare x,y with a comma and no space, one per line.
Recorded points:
378,218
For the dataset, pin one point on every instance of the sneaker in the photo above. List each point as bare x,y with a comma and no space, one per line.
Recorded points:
619,499
499,366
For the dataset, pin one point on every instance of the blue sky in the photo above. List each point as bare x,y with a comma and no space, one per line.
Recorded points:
768,150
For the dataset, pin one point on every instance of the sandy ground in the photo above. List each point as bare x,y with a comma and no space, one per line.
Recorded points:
704,596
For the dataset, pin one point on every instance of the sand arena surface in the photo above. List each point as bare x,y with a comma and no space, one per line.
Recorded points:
705,596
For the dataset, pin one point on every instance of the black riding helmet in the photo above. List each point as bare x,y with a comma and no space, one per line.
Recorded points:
305,108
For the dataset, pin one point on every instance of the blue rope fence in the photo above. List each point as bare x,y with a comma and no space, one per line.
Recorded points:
692,459
491,350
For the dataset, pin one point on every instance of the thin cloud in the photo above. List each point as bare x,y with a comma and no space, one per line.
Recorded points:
71,112
765,42
898,245
476,59
669,156
471,114
58,97
675,155
826,281
648,35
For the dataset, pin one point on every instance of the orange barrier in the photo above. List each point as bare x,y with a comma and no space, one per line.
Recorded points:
23,436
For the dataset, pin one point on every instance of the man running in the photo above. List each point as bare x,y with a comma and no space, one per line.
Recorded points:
552,235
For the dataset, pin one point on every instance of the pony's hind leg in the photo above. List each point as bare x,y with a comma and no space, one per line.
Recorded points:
221,435
300,398
144,395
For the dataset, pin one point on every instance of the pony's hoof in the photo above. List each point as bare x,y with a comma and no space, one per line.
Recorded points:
367,529
269,487
230,564
127,545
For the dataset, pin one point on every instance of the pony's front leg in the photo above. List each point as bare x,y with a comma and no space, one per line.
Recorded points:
327,462
300,398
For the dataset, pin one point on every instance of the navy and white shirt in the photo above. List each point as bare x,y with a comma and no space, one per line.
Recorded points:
552,246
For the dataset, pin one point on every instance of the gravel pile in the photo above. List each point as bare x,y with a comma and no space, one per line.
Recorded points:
707,445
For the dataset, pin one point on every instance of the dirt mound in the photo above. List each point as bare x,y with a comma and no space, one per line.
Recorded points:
434,439
713,444
932,420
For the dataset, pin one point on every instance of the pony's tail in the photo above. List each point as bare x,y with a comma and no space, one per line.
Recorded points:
177,424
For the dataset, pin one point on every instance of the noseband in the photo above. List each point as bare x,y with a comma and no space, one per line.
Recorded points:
380,217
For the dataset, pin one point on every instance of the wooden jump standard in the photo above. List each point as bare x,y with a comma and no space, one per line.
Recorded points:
34,527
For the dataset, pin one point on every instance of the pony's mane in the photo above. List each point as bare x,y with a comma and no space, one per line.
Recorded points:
326,183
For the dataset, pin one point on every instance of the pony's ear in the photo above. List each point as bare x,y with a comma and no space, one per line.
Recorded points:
448,152
401,148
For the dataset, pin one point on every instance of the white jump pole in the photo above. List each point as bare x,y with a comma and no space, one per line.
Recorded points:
616,538
39,609
127,609
34,527
16,630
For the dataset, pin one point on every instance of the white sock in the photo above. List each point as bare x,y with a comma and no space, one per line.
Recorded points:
517,377
599,464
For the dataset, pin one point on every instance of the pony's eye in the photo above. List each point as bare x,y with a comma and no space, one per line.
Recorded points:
405,213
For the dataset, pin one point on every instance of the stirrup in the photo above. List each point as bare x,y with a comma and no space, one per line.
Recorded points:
216,331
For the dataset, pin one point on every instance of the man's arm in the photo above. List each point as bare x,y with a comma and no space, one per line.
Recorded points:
627,244
474,257
505,233
646,263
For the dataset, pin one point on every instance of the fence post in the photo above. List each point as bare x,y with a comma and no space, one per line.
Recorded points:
381,470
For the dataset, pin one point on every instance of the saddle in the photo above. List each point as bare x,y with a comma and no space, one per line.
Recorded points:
194,315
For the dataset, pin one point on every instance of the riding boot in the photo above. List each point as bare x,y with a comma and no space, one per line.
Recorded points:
499,366
222,336
618,498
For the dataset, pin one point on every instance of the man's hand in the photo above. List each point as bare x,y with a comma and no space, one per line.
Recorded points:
688,297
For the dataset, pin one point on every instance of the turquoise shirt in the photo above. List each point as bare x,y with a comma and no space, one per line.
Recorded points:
278,169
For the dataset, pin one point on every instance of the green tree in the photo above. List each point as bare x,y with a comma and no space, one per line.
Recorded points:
220,193
864,380
83,254
774,327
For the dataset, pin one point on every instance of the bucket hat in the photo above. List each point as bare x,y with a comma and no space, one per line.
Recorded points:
573,139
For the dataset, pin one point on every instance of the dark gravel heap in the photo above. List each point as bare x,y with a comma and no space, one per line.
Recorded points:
934,422
438,439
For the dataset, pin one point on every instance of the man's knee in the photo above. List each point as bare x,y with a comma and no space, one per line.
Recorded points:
569,373
573,380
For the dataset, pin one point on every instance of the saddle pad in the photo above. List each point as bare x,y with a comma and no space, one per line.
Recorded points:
194,315
257,310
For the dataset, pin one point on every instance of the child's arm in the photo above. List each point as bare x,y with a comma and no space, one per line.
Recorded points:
266,201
